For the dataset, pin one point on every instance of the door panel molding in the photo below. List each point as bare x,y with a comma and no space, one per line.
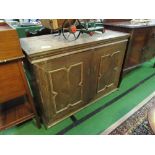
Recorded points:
70,86
108,61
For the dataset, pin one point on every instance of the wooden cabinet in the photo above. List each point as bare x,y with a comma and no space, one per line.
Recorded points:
70,75
141,46
16,104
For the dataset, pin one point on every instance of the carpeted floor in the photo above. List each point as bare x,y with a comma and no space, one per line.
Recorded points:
136,124
143,129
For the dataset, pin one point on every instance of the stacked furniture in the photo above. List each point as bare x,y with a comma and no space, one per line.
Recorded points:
141,46
16,104
68,76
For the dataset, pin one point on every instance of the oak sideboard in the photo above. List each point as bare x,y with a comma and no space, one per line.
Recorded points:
68,76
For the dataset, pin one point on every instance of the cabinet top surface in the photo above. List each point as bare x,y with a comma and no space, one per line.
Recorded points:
131,25
39,45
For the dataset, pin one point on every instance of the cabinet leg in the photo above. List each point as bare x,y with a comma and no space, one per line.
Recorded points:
38,124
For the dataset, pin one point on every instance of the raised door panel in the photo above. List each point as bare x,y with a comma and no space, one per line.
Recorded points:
69,93
63,85
108,65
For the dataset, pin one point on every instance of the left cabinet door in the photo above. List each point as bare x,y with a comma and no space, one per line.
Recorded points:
63,84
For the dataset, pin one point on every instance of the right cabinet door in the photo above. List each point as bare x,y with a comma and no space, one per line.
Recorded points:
107,65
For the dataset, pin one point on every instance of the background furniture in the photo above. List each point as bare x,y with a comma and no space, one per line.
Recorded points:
70,75
115,20
23,26
141,46
16,104
23,30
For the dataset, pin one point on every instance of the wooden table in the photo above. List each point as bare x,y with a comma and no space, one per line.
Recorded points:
68,76
141,46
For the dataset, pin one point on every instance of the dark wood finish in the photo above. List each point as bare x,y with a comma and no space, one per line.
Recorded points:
141,46
115,20
70,75
16,104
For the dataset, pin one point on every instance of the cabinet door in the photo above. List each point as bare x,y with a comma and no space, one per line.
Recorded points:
63,85
107,66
